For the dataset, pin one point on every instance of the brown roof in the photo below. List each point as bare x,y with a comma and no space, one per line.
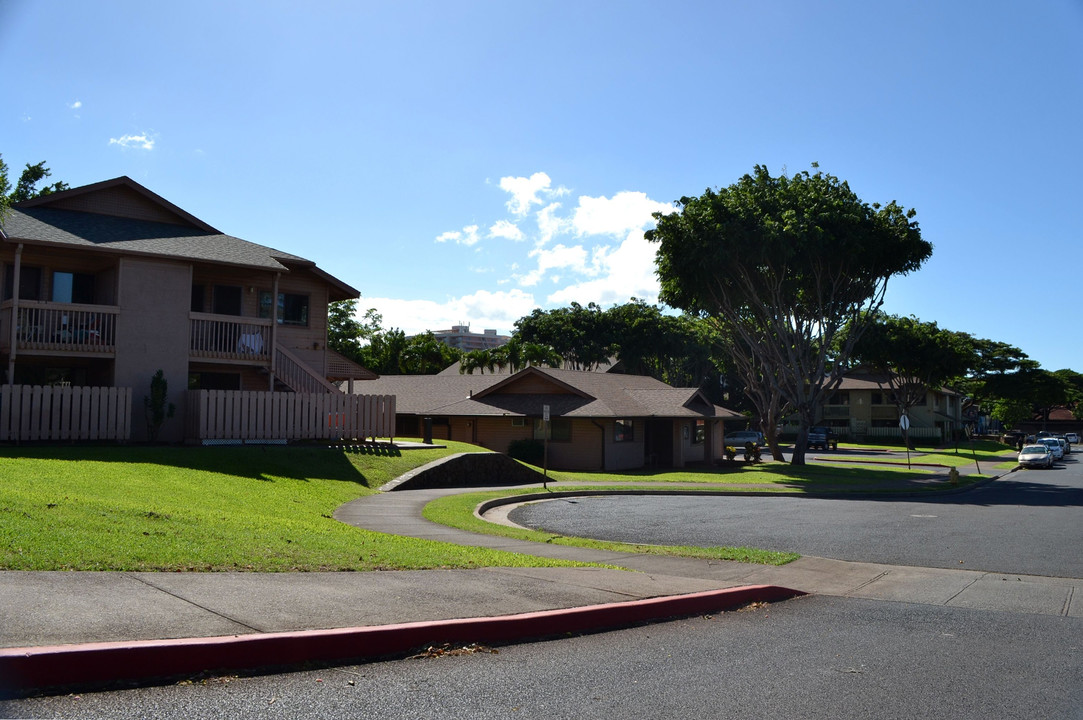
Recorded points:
574,394
123,217
875,381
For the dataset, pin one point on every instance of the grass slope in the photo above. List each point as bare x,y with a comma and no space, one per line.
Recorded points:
225,508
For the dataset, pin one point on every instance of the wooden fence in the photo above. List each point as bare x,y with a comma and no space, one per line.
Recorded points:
265,416
35,412
914,432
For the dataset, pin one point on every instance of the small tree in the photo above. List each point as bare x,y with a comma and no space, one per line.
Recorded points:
156,407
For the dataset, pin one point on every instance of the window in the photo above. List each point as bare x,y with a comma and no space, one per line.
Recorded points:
699,431
227,300
560,429
623,431
214,381
292,308
839,398
29,282
73,287
198,303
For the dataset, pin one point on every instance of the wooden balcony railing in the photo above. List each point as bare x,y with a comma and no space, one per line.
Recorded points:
300,377
64,327
218,337
836,412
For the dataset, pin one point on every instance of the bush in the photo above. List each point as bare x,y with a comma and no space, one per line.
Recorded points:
529,451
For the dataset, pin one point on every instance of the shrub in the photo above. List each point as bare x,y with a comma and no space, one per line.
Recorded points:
527,450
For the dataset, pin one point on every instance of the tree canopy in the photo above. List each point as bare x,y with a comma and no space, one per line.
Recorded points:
782,264
26,187
914,356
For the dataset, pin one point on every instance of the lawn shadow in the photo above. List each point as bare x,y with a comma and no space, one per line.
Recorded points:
258,462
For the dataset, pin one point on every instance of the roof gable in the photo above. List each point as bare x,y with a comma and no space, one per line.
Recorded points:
120,197
533,381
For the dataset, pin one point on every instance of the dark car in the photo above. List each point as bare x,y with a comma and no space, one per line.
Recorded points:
822,437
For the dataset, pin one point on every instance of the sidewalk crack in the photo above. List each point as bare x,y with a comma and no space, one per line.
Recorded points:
966,587
193,604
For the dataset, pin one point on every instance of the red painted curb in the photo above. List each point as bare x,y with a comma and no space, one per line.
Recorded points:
35,669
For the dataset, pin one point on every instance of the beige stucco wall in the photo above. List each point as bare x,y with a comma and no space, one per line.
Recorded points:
152,334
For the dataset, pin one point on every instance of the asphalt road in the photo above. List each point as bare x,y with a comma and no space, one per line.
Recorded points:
814,657
1028,523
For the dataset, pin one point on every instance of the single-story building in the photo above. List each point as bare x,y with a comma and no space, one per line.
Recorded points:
598,421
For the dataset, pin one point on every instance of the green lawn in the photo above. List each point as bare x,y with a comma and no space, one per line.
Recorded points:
224,508
775,476
270,508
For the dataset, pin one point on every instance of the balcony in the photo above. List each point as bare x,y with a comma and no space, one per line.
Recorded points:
226,338
48,328
836,412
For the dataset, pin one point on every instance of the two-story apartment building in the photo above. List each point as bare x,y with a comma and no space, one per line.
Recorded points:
105,284
864,406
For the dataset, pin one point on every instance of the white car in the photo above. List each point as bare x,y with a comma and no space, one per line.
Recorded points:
1072,438
1035,456
1054,447
739,438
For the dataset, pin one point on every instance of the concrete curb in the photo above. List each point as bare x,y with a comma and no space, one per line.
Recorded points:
27,671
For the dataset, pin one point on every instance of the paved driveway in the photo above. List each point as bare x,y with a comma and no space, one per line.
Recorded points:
1028,522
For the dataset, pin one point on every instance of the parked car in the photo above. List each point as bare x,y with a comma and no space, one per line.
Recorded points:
1054,447
822,437
1035,456
739,438
1066,442
1072,438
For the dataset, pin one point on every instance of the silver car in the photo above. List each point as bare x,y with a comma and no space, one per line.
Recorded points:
1054,447
1035,456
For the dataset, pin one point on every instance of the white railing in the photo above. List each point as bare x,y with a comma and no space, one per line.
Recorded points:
217,337
914,432
63,326
261,416
35,412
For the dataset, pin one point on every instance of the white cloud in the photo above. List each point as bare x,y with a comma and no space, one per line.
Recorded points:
525,192
623,273
76,105
467,236
143,141
507,230
559,257
616,216
550,225
481,310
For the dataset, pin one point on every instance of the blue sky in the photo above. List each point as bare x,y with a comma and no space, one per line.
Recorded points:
470,161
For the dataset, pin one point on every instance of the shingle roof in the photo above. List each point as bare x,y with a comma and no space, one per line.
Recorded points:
142,237
43,221
583,395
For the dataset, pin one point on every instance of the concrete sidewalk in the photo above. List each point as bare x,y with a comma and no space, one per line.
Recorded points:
72,628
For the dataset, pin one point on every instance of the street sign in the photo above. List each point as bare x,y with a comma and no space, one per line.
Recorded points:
904,422
545,413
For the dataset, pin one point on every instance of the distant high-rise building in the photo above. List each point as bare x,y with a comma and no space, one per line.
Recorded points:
459,336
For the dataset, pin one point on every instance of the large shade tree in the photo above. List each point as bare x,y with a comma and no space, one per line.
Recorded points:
784,263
